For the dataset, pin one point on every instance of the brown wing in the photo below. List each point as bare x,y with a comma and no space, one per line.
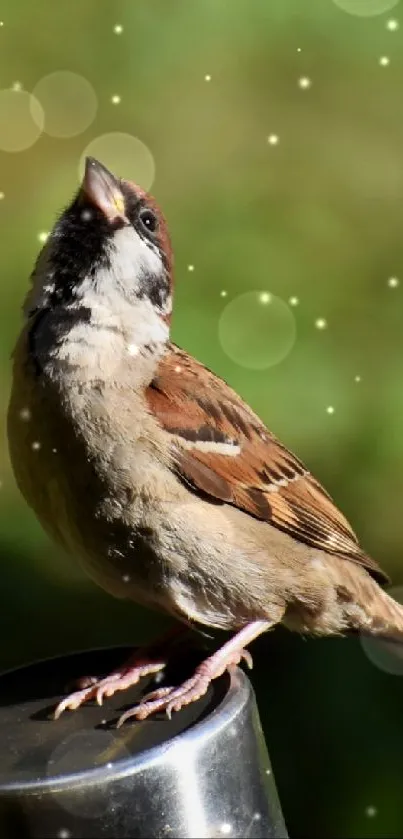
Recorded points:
223,450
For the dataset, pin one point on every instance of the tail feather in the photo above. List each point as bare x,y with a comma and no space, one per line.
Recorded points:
386,616
367,607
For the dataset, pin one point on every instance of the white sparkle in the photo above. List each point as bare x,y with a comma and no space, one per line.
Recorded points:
16,86
384,61
118,29
158,677
321,323
126,578
330,409
298,49
1,22
293,301
257,817
86,215
226,828
304,82
371,811
43,236
1,196
392,24
178,368
36,446
63,833
54,451
25,414
116,100
109,765
265,297
133,349
393,282
191,267
357,378
273,139
223,293
268,771
207,78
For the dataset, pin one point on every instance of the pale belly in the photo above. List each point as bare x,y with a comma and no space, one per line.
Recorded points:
136,530
101,524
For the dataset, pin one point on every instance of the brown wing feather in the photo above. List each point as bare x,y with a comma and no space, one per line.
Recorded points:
256,472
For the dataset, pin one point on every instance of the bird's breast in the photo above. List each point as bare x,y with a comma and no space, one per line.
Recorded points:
83,460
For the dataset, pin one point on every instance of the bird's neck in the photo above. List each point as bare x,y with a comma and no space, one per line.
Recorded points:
93,339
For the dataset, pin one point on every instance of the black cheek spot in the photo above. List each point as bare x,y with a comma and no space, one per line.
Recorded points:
156,288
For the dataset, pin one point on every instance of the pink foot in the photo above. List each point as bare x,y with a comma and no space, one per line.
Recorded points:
119,680
170,699
138,666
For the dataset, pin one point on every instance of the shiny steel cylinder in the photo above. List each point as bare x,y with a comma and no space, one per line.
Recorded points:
205,773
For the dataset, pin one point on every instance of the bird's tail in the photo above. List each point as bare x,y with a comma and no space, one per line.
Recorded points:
385,616
368,608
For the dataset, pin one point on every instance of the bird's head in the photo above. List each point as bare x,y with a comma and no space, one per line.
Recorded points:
109,251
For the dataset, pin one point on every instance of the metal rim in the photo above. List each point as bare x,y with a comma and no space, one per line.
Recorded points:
237,696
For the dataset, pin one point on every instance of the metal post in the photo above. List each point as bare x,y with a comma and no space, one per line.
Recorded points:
205,773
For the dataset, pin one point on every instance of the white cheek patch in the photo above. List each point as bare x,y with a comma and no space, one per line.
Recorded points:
116,309
118,293
132,259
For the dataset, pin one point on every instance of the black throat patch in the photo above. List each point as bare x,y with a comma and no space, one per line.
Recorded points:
80,245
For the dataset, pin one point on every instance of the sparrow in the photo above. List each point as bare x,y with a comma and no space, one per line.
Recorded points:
150,469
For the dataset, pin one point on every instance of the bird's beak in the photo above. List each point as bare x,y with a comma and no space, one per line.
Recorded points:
103,190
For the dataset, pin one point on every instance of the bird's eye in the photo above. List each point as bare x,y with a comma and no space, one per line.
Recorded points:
149,220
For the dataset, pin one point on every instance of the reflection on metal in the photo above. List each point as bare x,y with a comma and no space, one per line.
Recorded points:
205,773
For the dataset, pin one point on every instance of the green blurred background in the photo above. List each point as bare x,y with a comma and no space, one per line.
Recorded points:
315,215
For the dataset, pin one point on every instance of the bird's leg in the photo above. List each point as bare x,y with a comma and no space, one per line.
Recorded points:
143,662
174,698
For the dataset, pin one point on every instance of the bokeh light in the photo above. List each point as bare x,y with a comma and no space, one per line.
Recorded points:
304,82
257,330
125,155
366,8
69,102
21,120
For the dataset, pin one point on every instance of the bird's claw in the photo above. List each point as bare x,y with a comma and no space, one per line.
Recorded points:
105,688
171,699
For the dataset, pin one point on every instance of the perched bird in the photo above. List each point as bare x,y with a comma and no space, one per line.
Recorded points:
149,468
